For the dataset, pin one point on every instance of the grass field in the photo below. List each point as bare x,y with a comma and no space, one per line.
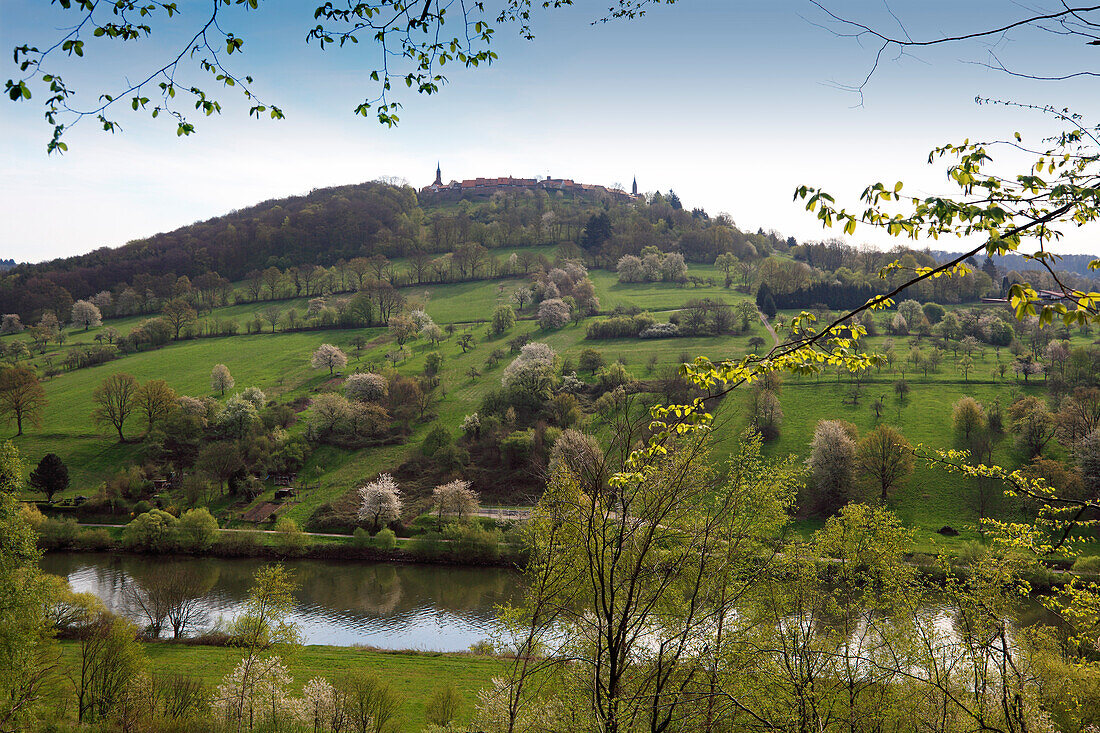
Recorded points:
278,364
414,676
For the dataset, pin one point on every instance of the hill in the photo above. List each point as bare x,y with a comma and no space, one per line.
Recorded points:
613,295
334,226
1076,264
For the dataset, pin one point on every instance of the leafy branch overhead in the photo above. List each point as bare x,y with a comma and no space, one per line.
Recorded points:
1060,189
410,40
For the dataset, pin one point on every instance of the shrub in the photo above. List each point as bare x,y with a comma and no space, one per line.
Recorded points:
153,531
386,539
516,447
56,533
197,530
470,541
660,331
437,438
426,546
291,540
360,537
94,540
972,552
612,376
1089,564
442,706
620,326
242,544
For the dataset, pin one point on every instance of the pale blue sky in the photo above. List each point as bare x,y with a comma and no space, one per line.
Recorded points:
730,103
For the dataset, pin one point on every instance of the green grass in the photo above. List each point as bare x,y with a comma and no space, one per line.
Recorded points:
414,676
278,364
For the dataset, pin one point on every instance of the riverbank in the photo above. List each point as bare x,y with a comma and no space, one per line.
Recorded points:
413,675
274,545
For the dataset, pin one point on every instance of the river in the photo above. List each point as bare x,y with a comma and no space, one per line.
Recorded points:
426,607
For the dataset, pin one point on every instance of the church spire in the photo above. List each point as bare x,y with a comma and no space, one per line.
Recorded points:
438,175
634,189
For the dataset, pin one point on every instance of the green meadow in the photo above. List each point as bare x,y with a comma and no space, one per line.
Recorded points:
414,676
278,363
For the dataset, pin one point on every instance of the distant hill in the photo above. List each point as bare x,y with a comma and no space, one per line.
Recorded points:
320,227
1078,264
377,220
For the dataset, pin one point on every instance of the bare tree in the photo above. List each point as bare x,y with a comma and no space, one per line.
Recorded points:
115,400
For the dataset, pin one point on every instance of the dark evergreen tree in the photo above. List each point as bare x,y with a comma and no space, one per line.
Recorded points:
674,200
989,268
597,231
768,306
762,292
51,476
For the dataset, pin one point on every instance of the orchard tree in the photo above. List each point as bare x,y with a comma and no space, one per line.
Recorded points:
503,319
86,314
884,459
553,314
219,461
155,399
115,400
21,397
832,464
11,324
532,371
50,476
433,332
590,360
402,328
179,314
380,501
455,499
366,387
328,356
967,416
221,379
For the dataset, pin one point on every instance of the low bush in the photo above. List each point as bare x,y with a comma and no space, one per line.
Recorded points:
56,533
243,544
620,326
153,531
471,541
442,706
426,546
385,539
97,539
972,552
290,539
1089,565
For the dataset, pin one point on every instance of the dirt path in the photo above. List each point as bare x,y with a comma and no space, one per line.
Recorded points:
764,320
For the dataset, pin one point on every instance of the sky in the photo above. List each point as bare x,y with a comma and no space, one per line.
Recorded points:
731,103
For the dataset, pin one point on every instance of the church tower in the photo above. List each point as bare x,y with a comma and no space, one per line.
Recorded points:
634,189
438,175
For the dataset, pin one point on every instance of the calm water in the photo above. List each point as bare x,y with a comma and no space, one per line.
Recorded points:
342,603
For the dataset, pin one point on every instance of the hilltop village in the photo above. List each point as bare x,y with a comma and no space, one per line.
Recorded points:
484,188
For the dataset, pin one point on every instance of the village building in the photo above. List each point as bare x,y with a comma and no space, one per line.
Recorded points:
485,188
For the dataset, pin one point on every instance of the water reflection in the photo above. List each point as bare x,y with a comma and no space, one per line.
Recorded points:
388,606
